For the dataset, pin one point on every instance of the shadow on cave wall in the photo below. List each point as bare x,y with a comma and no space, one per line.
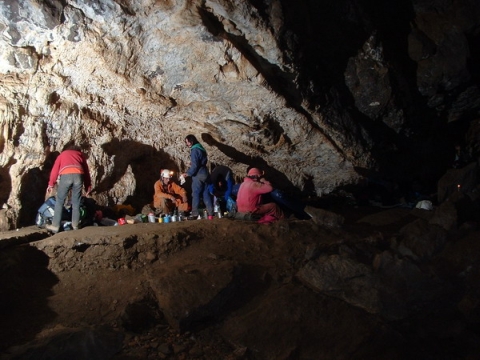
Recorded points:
278,179
24,290
145,162
321,37
283,83
326,35
5,189
33,190
5,184
32,195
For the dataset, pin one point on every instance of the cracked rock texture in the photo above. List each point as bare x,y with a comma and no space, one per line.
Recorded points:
314,92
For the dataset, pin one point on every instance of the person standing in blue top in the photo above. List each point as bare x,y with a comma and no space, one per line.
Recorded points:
198,171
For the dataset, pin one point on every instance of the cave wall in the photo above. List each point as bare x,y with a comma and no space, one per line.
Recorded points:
317,93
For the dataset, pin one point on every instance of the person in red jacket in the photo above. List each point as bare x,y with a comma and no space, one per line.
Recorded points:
169,195
249,197
71,172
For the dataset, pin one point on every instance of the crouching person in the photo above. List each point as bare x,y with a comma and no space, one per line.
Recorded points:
221,188
169,195
249,198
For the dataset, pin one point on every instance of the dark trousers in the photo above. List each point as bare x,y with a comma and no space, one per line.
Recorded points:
289,204
200,189
67,182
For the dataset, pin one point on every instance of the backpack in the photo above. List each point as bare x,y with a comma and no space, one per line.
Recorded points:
87,211
47,210
45,213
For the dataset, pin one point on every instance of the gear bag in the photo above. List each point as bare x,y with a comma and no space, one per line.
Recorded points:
45,213
47,210
87,211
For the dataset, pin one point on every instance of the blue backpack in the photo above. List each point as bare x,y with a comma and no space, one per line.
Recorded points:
45,212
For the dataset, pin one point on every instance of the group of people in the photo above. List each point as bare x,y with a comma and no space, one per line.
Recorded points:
70,172
255,196
170,196
246,198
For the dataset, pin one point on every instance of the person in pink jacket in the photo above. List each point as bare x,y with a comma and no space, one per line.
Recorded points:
249,198
70,172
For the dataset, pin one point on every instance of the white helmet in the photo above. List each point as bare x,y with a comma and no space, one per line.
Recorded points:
165,173
424,205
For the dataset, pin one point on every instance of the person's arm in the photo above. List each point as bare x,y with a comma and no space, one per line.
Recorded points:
211,189
87,180
177,189
53,175
159,192
196,157
228,192
263,187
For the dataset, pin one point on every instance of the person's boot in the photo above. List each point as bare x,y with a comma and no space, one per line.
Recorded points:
192,217
51,228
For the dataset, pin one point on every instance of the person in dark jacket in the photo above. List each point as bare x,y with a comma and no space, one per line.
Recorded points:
221,187
198,171
70,171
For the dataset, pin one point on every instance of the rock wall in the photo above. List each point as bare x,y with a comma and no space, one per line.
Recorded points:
312,92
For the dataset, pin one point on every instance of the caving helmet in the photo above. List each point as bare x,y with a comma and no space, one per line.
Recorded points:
165,173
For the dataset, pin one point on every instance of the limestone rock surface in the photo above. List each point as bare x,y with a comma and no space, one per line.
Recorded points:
310,93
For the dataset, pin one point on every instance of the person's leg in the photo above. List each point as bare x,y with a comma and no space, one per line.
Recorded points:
164,205
221,203
289,203
170,206
183,207
179,204
235,189
62,191
207,199
196,192
77,187
270,209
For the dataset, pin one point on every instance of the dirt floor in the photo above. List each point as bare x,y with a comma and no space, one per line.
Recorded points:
200,289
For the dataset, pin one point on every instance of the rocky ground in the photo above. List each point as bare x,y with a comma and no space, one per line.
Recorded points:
357,283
